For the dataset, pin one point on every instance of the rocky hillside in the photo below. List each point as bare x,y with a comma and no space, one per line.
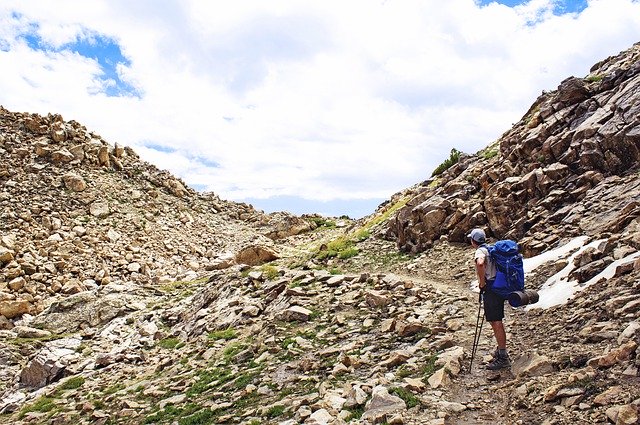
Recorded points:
128,298
568,167
79,213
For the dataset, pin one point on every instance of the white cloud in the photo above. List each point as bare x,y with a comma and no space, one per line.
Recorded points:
323,100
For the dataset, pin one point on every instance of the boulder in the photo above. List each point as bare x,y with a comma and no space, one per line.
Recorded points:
6,255
50,363
531,364
255,255
74,182
440,378
382,405
16,308
99,209
295,313
61,156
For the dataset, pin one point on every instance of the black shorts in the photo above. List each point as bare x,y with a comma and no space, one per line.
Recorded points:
493,306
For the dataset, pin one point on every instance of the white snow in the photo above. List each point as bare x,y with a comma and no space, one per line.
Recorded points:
530,264
558,289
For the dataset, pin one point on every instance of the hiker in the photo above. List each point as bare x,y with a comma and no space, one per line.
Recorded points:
493,303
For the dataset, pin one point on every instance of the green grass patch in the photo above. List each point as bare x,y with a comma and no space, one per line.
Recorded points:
226,335
344,247
490,153
322,222
388,259
404,372
232,350
295,283
52,337
355,412
408,397
42,405
190,414
270,272
387,213
245,379
349,252
429,367
72,383
182,285
594,78
434,183
275,411
315,314
208,379
114,389
287,342
309,334
170,343
341,247
362,235
201,417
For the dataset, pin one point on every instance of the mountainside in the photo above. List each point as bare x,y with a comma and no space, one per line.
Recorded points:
568,167
128,298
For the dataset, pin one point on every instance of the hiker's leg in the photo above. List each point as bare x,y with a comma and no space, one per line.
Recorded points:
499,333
494,313
493,307
501,359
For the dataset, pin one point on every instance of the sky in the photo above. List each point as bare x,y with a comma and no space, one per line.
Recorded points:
311,106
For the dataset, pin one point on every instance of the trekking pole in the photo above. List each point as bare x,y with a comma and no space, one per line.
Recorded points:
478,333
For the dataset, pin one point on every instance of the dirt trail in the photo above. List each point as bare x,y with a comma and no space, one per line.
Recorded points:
479,388
448,269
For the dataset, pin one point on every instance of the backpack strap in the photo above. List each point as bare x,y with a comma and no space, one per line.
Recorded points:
486,249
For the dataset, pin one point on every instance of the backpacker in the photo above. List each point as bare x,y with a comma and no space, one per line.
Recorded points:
509,267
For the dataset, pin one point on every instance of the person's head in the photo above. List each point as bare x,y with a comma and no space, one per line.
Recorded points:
477,237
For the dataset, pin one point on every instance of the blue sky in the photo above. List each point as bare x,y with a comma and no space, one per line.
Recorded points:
317,106
560,7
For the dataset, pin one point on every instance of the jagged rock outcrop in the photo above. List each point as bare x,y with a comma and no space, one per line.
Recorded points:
575,151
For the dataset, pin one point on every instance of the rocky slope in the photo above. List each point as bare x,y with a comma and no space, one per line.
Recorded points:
568,167
78,213
127,298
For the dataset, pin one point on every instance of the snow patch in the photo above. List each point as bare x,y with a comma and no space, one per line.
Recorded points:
558,289
530,264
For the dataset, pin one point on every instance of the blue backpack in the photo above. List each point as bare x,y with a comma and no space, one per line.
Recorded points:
509,267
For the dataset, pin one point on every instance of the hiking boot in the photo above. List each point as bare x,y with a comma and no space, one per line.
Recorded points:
499,362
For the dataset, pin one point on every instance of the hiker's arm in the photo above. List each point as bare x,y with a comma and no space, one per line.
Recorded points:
480,268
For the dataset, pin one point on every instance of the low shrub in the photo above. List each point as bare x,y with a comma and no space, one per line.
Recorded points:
453,159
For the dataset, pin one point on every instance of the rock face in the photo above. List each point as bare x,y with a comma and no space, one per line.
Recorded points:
569,165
